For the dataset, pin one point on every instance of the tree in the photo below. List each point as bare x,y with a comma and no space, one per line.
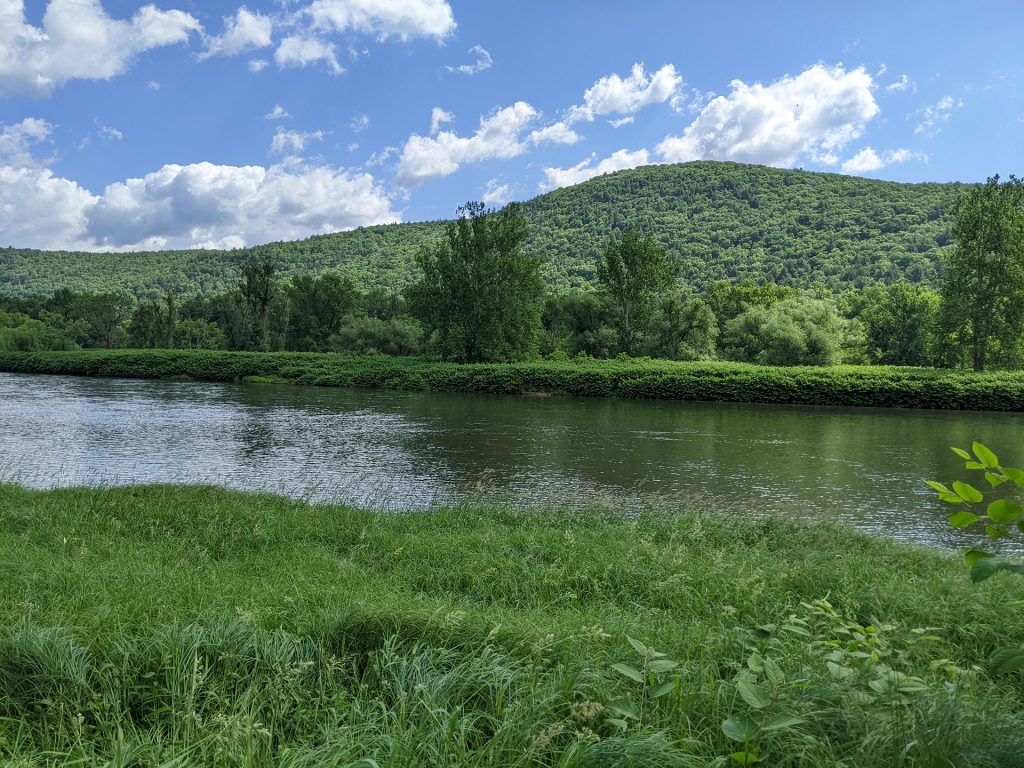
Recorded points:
317,308
633,272
899,322
797,331
479,298
104,315
982,315
258,290
683,330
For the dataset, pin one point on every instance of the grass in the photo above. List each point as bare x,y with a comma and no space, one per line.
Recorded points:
163,625
883,386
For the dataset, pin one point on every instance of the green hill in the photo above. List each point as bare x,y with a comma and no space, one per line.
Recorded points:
718,220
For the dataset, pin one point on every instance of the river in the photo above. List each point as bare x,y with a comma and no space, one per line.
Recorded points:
860,467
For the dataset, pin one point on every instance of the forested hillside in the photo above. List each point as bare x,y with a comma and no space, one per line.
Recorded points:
718,221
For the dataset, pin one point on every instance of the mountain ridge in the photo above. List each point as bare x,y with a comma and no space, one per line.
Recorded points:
718,221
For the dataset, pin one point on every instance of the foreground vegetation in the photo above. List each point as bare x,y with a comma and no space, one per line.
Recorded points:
879,386
171,625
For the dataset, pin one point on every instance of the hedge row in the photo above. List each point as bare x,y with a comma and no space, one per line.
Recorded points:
734,382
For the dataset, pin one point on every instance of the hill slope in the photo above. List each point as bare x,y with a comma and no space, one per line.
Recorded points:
718,220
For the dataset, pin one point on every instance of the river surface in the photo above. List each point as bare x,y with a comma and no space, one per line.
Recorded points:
861,467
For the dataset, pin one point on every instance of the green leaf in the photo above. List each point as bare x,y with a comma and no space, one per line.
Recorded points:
993,479
1006,660
631,672
938,486
745,758
1004,511
741,728
973,465
990,566
662,689
755,662
985,456
781,722
1016,475
773,672
662,665
974,555
757,696
638,646
963,518
996,531
620,724
961,453
967,492
624,707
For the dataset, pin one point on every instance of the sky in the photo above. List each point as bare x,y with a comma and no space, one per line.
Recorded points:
128,126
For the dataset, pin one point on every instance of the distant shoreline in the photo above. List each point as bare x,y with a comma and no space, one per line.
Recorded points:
866,386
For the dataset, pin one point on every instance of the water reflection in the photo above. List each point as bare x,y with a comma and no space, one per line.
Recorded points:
393,450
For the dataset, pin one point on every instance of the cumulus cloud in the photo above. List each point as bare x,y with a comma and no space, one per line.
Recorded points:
111,134
79,40
242,32
933,116
617,161
901,83
200,205
499,136
359,123
18,140
293,141
868,160
439,117
277,113
257,65
301,50
556,133
483,61
814,114
495,194
627,95
403,19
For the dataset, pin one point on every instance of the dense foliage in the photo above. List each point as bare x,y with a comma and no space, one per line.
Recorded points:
718,221
172,626
734,382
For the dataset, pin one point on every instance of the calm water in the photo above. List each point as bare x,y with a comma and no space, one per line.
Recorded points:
394,450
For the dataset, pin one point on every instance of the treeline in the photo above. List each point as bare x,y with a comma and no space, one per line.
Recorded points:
481,298
717,221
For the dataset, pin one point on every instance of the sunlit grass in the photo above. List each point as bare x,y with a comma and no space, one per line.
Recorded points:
167,625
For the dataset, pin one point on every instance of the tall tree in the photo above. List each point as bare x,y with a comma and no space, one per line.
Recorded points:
317,306
258,289
633,272
982,311
480,295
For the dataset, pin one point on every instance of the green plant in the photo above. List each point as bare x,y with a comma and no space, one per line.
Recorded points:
650,677
997,508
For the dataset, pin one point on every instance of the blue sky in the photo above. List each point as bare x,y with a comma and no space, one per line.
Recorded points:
127,126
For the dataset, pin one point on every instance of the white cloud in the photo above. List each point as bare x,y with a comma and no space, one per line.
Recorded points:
299,50
617,161
153,85
242,32
621,121
379,158
813,115
627,95
111,134
483,61
78,40
403,19
439,117
257,65
200,205
277,113
901,83
499,136
868,160
18,140
495,194
933,116
556,133
293,141
360,123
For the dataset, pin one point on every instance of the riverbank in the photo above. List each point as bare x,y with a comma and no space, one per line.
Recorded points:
149,624
878,386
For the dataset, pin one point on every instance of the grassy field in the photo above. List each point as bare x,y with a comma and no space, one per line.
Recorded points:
882,386
166,626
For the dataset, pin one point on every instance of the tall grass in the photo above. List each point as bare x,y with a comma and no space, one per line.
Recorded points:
193,626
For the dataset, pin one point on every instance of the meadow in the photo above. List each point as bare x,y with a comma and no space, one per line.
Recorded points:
161,625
